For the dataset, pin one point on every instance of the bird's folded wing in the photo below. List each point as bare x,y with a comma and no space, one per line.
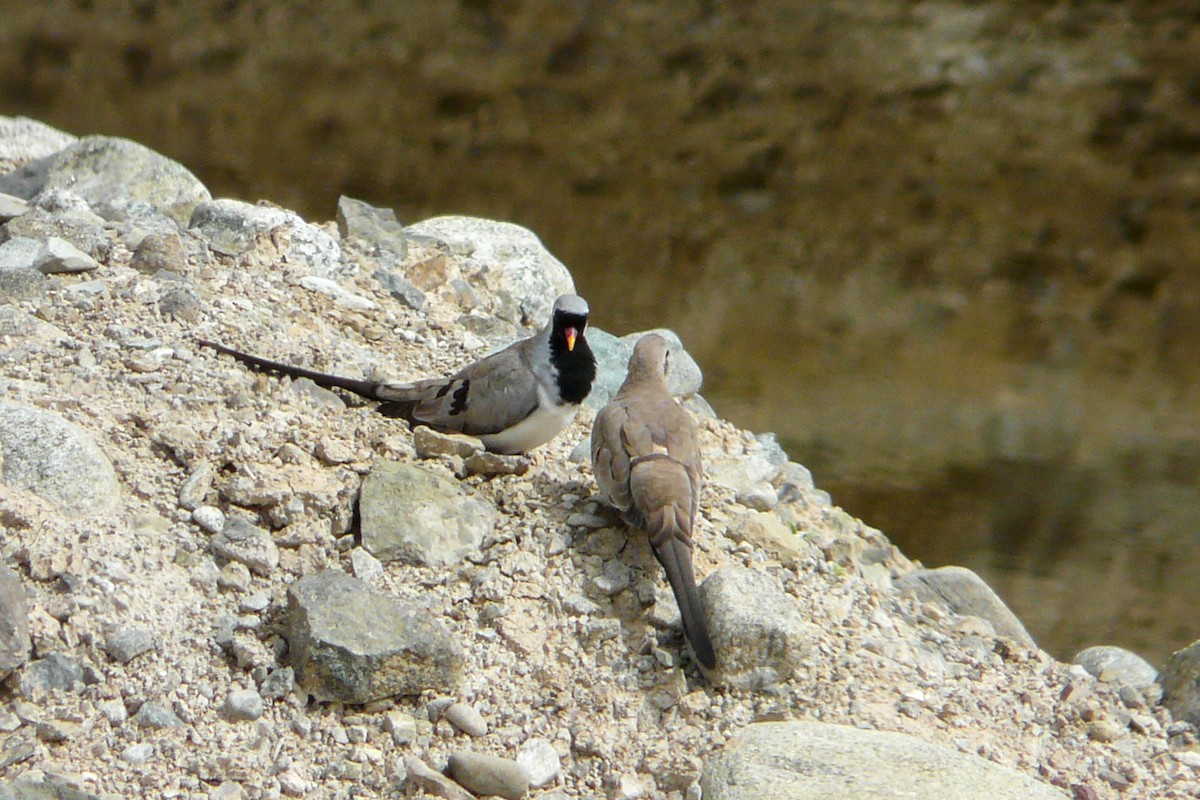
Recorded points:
610,460
486,397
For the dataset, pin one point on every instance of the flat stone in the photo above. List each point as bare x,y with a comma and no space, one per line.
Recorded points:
486,774
963,592
243,541
820,761
493,464
61,256
434,444
409,513
55,459
352,643
757,630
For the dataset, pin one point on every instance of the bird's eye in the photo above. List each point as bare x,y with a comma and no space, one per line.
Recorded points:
667,361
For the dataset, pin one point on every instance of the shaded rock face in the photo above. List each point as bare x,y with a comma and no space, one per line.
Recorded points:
996,195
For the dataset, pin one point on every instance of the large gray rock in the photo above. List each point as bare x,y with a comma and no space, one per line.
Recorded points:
1180,679
684,377
504,258
964,593
756,628
14,622
819,761
352,643
1117,666
23,139
56,460
112,175
412,514
233,227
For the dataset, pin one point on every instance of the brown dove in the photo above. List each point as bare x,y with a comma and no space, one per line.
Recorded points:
513,400
646,457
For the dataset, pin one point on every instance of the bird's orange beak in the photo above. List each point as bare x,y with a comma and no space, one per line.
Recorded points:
571,334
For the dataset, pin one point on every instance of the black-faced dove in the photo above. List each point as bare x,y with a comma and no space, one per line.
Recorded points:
646,457
513,400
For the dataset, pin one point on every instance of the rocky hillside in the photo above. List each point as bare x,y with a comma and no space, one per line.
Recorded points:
220,584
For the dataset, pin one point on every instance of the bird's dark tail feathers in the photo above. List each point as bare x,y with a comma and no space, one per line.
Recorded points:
672,551
367,389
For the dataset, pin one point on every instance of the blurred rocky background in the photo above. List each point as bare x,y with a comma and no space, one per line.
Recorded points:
947,250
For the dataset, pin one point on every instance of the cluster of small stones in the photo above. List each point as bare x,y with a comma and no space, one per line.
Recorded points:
220,584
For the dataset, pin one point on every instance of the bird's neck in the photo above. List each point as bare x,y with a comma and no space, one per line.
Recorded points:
576,369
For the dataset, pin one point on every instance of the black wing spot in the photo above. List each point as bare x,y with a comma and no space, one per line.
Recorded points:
460,398
445,388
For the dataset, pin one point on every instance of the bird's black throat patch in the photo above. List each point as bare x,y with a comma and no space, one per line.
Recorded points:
576,368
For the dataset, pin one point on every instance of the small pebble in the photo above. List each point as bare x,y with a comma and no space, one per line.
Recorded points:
138,753
467,719
244,704
209,518
154,715
234,576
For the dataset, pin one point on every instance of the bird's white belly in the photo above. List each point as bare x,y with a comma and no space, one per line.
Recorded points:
538,428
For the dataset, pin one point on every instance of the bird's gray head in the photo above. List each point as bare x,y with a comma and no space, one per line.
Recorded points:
571,304
568,322
651,356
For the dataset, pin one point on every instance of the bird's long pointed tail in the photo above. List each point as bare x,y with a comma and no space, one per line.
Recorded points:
676,559
367,389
